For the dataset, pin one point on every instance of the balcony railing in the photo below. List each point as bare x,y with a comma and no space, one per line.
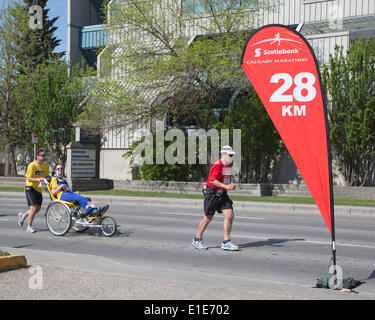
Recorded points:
93,36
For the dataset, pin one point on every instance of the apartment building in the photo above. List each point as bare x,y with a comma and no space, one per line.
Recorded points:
86,31
325,23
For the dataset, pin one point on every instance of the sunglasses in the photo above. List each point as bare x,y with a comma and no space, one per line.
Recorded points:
231,155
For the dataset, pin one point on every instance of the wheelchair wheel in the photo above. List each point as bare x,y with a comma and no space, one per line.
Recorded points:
108,226
58,218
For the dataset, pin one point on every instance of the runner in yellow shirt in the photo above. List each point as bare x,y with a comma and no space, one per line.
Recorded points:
36,172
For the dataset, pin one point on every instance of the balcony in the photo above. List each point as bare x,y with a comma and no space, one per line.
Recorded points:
92,37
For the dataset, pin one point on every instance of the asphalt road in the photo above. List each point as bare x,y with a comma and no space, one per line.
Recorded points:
282,252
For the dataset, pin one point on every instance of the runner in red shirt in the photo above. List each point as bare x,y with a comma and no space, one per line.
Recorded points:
217,199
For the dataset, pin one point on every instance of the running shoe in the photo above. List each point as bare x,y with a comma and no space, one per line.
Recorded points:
21,219
104,209
198,244
229,246
93,213
30,230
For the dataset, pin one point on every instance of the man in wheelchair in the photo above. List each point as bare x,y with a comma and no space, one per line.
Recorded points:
61,190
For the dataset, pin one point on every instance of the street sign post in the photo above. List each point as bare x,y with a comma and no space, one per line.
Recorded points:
34,140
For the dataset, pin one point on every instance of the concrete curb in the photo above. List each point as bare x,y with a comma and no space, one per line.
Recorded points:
12,261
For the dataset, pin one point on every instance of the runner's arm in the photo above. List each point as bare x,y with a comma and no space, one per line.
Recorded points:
56,191
35,179
219,184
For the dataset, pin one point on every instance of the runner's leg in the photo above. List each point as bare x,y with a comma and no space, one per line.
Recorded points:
34,209
228,222
203,225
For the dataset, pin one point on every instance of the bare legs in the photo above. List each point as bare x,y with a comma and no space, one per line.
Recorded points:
33,210
228,222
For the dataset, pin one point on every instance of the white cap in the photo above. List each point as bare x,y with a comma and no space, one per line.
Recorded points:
227,149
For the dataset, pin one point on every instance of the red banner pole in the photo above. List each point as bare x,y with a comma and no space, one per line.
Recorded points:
283,69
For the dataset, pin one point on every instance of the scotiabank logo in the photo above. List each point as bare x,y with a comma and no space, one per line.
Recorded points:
258,52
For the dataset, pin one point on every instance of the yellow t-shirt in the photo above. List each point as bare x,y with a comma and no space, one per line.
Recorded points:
54,184
36,171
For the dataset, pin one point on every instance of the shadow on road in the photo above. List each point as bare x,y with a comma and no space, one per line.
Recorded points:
23,246
371,276
268,242
95,232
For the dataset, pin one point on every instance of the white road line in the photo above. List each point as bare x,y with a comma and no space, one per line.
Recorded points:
201,215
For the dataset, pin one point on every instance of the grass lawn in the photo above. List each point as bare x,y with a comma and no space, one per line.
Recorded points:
3,253
272,199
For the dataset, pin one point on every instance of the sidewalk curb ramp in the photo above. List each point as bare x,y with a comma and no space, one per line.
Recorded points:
12,261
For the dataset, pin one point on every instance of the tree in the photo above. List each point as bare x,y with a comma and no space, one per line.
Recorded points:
261,143
160,66
22,51
165,171
13,21
56,104
39,44
350,84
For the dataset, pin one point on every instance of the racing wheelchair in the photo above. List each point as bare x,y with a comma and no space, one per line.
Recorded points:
61,216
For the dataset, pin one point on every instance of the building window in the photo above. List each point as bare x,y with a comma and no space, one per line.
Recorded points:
363,33
198,6
192,7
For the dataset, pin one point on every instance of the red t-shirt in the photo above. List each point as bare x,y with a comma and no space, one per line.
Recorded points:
220,172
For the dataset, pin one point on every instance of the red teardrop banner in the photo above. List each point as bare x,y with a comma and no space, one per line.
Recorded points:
283,70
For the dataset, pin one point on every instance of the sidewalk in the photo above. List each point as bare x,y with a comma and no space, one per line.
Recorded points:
75,279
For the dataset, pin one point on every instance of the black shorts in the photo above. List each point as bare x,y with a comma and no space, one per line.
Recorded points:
213,202
33,196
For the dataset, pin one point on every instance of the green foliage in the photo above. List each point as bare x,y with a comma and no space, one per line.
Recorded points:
22,52
350,83
156,66
4,253
39,44
55,104
13,22
168,172
165,171
261,144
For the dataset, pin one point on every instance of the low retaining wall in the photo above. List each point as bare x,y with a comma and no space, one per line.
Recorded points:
182,187
82,184
362,193
87,184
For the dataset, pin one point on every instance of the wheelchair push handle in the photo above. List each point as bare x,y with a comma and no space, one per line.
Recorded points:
44,182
